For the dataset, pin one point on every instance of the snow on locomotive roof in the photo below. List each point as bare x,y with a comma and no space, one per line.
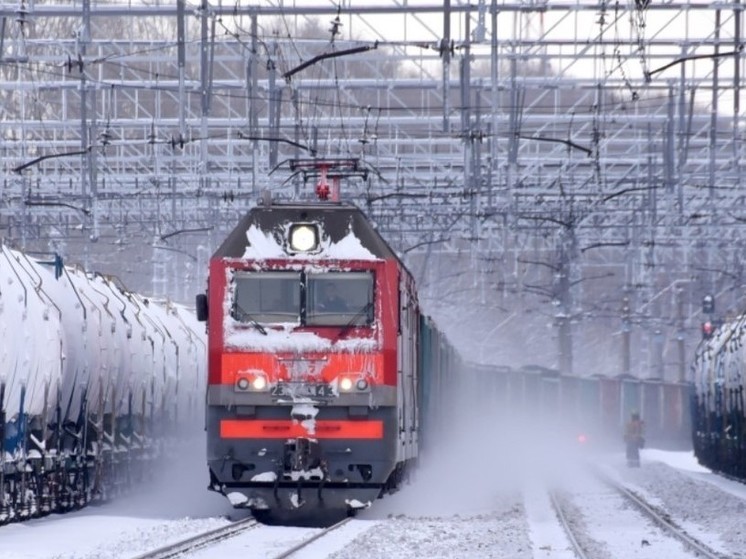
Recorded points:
346,232
263,245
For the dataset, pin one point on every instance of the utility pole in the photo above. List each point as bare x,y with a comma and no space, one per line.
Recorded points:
467,130
736,127
275,100
495,100
564,298
680,332
87,136
714,112
181,62
563,320
206,59
445,52
252,80
626,335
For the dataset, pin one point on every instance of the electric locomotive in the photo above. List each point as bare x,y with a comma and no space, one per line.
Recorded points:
313,326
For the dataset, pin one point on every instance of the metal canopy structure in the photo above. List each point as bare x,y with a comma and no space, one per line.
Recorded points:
563,177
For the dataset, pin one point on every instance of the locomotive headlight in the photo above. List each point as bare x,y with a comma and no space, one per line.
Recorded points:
345,384
252,381
243,383
303,237
259,383
353,382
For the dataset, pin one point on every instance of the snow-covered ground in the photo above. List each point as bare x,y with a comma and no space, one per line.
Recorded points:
494,510
709,507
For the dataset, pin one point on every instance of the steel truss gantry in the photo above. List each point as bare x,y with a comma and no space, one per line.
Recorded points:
571,164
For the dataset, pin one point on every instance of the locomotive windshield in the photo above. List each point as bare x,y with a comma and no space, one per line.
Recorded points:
339,299
321,299
266,297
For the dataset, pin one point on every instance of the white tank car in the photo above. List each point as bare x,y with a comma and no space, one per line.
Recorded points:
117,348
182,349
718,364
191,387
88,371
84,343
31,347
160,360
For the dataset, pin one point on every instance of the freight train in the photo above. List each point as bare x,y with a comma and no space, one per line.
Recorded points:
718,399
93,379
594,408
323,374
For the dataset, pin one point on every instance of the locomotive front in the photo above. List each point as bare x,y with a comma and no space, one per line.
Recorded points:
302,403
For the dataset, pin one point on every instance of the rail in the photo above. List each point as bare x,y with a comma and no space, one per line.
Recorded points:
200,541
576,547
661,519
307,542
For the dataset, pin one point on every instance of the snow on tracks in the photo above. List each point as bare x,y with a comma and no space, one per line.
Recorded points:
199,541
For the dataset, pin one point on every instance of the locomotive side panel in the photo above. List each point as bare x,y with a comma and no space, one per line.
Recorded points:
407,371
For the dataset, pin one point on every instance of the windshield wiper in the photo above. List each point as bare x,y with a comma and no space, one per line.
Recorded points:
243,316
353,321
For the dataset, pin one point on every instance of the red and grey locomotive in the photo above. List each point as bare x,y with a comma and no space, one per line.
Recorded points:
313,328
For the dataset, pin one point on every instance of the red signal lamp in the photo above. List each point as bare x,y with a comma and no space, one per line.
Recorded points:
708,329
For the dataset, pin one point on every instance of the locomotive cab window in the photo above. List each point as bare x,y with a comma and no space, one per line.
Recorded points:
266,297
339,299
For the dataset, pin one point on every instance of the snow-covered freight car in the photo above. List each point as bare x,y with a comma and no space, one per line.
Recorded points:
592,408
92,378
719,400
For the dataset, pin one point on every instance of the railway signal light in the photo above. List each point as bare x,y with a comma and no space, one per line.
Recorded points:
708,329
708,304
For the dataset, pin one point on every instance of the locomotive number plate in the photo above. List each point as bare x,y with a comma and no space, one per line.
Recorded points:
284,389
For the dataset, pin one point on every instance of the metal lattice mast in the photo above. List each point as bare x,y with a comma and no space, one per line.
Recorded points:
493,132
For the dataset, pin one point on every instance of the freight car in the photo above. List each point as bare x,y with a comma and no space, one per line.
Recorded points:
323,373
92,377
596,407
718,400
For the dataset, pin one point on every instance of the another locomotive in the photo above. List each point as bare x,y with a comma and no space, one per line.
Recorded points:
319,361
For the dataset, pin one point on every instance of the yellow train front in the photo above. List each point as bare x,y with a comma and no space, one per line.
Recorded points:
313,328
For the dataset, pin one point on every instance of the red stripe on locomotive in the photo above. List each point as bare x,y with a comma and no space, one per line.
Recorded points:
282,429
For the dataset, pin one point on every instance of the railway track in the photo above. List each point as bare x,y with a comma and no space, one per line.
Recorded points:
305,543
201,541
567,527
662,520
659,518
213,537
